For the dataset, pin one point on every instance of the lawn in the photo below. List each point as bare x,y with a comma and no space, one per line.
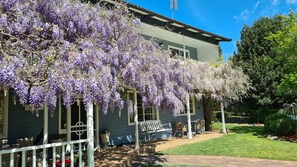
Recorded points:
217,126
244,141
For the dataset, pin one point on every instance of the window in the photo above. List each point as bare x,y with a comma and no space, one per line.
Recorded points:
3,114
179,52
144,114
192,107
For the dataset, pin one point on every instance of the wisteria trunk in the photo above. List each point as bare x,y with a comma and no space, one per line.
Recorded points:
208,110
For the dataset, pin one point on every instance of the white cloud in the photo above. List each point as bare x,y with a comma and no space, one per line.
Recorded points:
294,2
275,2
256,6
245,14
272,8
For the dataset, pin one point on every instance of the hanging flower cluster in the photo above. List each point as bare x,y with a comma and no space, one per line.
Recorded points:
223,82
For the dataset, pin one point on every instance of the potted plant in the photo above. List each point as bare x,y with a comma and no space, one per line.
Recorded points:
105,134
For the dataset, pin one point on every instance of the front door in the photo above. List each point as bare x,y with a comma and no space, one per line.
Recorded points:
78,117
78,121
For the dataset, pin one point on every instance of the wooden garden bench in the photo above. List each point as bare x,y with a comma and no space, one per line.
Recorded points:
151,127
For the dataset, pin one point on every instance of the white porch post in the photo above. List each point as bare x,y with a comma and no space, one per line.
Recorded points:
90,134
68,122
45,124
45,133
97,124
223,116
189,117
136,121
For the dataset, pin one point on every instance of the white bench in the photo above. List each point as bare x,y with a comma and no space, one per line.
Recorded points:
151,127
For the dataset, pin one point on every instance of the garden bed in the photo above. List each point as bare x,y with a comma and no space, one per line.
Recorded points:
292,138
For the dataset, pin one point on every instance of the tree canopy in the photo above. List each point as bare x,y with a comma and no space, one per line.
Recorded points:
286,40
258,59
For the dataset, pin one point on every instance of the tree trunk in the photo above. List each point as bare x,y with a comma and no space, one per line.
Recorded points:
208,110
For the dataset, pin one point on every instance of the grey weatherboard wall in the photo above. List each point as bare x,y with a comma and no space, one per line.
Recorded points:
23,123
122,133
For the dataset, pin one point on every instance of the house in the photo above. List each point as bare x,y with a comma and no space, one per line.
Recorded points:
171,35
18,121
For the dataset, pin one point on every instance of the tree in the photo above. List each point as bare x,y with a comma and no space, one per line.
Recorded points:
223,82
231,85
90,52
259,60
286,40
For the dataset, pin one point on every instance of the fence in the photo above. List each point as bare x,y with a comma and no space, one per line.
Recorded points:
65,148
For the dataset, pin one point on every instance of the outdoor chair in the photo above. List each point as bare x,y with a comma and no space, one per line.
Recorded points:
180,128
200,126
4,144
24,142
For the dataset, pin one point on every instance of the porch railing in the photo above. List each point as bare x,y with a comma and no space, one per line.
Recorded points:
45,160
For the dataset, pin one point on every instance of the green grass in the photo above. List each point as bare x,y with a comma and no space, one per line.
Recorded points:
247,141
217,126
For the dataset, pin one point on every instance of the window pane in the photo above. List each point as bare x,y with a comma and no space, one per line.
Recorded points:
191,107
144,114
139,108
174,52
181,53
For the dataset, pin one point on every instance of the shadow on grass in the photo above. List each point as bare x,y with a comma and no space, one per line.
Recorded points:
255,130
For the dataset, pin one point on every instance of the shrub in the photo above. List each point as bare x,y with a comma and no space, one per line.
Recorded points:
272,122
260,115
286,127
280,124
219,115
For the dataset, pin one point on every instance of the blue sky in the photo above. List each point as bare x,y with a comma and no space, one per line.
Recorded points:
222,17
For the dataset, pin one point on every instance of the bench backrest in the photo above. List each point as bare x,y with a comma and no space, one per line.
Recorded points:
154,125
151,125
142,126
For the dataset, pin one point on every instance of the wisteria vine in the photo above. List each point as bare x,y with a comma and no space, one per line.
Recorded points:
51,48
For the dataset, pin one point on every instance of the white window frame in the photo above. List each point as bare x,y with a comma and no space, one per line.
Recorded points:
180,50
5,115
193,105
153,108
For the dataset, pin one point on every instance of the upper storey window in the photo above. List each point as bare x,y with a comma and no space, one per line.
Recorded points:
175,51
